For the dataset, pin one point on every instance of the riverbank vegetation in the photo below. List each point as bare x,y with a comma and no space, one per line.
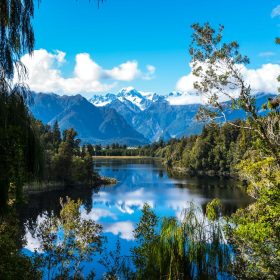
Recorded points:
254,231
216,151
64,161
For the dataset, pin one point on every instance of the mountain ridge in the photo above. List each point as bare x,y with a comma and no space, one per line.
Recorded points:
130,117
94,125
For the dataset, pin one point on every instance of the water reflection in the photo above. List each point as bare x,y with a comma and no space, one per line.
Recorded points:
118,208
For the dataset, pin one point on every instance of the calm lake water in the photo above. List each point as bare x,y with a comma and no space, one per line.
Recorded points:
118,207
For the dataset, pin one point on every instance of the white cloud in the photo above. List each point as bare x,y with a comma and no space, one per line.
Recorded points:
124,229
127,71
267,54
86,69
185,99
263,79
275,12
133,200
44,73
97,213
150,72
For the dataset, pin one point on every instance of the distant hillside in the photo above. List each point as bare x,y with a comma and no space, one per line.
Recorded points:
94,125
156,117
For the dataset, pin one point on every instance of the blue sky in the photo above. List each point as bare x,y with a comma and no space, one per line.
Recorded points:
149,32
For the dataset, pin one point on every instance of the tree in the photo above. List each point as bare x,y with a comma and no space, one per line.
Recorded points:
14,264
146,235
254,232
17,37
20,149
18,142
56,135
218,67
191,248
67,241
69,136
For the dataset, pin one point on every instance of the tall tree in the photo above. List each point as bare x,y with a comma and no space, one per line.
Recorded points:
16,39
56,134
218,67
18,147
255,231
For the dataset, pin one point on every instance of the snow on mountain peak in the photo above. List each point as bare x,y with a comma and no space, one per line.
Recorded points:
140,99
133,96
127,90
102,100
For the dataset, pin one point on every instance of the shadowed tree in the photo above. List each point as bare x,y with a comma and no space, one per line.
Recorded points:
19,146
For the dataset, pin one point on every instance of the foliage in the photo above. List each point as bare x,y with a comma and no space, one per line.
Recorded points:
17,36
20,149
12,262
256,235
116,149
191,248
255,231
218,68
67,241
216,150
65,162
146,236
116,265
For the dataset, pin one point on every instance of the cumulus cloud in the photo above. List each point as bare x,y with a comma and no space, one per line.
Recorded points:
275,12
86,69
186,98
263,79
127,71
45,75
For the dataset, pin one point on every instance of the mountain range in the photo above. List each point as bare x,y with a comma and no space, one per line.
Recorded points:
129,117
93,124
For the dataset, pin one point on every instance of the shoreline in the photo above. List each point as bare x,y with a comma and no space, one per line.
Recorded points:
42,187
210,173
178,169
123,157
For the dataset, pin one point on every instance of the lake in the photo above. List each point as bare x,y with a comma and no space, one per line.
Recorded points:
118,207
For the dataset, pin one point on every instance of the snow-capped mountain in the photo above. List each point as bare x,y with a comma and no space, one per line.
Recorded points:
102,100
130,116
161,116
129,96
96,125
